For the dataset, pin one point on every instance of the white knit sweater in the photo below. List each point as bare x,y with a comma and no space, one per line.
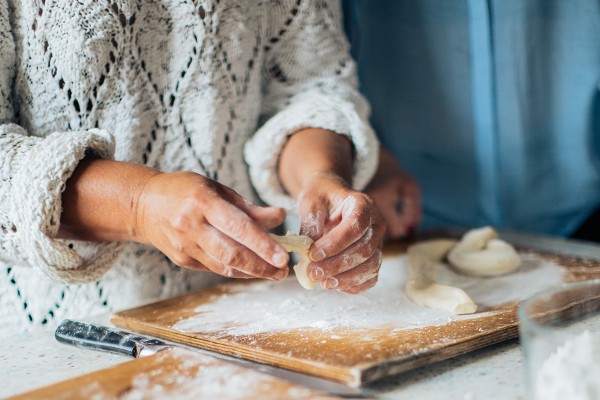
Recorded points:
175,85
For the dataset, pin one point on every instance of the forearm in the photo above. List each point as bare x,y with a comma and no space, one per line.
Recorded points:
311,153
99,201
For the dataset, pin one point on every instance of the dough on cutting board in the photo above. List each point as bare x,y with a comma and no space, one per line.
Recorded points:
481,253
421,286
298,244
478,253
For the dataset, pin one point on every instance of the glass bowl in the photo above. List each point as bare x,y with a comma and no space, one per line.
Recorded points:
560,338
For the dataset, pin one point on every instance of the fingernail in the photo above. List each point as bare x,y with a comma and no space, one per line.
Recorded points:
331,283
317,255
317,273
280,259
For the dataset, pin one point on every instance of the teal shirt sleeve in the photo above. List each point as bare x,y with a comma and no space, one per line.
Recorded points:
492,104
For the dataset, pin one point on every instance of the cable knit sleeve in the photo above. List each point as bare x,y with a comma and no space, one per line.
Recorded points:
311,82
33,173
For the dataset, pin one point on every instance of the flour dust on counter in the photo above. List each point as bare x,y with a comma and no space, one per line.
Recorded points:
200,376
278,306
174,374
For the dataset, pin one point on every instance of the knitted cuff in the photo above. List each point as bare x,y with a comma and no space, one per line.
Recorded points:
308,111
38,181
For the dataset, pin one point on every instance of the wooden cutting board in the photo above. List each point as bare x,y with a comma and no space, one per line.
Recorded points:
351,339
174,374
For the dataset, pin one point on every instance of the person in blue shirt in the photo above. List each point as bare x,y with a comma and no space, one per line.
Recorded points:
492,105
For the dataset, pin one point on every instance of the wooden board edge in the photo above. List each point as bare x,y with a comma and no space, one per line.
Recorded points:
378,371
356,376
342,375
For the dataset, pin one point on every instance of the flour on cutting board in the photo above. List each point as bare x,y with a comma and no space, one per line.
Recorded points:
267,306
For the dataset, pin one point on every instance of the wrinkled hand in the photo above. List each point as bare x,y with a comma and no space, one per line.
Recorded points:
397,196
348,233
201,224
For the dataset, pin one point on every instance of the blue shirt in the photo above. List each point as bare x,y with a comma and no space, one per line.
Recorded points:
493,105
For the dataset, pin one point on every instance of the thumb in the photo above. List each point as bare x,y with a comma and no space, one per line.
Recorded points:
312,221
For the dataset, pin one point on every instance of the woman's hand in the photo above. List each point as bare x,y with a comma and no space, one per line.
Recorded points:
201,224
397,196
348,233
315,167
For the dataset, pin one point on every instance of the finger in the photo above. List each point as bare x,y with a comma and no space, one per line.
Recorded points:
236,224
412,200
265,217
230,254
219,268
312,221
190,256
360,288
396,223
355,212
353,256
356,276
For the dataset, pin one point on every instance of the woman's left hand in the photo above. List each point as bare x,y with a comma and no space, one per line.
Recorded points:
397,195
348,231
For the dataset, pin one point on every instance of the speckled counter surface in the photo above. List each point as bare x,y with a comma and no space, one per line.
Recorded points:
34,360
30,361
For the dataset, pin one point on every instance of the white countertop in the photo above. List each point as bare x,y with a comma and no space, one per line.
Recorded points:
30,361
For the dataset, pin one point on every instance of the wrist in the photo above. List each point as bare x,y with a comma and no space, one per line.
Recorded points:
137,220
315,154
325,179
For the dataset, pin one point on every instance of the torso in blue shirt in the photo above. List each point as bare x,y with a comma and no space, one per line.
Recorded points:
493,105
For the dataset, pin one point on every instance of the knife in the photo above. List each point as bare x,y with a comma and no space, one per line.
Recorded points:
102,338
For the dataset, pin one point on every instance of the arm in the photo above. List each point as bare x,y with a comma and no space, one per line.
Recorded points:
195,221
325,150
33,174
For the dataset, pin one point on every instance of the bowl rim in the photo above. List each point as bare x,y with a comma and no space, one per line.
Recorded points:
525,320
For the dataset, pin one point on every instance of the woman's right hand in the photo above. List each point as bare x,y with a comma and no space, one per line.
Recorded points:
200,224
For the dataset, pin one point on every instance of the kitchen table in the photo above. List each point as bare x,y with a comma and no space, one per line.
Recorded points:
29,361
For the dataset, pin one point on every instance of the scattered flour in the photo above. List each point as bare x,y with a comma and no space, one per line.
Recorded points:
266,306
573,371
202,377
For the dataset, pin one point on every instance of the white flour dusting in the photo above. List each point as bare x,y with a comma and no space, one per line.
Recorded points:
213,380
573,371
267,306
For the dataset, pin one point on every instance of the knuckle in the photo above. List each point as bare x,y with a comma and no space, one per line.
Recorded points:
229,255
181,259
371,283
260,271
238,226
378,259
356,227
180,221
178,247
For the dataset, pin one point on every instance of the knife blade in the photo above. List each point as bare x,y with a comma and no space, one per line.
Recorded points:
102,338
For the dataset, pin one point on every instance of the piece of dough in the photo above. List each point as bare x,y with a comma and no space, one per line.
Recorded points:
478,253
299,244
481,253
421,285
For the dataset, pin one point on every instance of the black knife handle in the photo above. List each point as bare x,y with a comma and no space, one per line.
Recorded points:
98,337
